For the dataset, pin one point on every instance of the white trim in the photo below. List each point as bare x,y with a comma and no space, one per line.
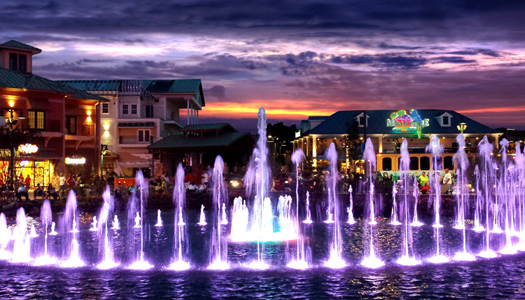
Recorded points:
358,118
440,119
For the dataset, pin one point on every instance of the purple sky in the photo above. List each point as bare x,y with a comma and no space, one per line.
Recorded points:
295,58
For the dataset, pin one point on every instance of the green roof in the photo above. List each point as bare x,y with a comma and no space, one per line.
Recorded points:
182,86
21,80
177,141
377,122
17,45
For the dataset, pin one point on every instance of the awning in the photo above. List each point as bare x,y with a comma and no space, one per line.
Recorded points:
111,154
42,154
38,103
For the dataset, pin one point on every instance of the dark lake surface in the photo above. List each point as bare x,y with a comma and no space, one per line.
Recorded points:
502,277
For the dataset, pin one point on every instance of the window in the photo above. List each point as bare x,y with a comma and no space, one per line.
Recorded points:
149,111
144,136
125,109
133,109
414,163
71,125
18,62
446,121
424,163
36,119
448,162
387,164
362,120
105,108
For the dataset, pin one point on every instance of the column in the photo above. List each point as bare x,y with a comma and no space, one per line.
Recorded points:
188,112
380,144
197,120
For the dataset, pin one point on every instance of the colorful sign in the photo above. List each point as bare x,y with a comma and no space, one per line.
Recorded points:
404,122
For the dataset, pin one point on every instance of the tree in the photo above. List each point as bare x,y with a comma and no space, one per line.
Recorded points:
353,144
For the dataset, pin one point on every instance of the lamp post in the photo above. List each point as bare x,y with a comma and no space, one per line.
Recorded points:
462,126
11,119
103,150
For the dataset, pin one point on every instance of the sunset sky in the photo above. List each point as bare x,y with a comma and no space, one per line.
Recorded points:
294,58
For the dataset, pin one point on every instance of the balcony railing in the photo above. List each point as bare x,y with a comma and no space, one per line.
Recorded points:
134,139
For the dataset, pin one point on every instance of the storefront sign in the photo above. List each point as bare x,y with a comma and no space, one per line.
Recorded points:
27,148
403,122
75,160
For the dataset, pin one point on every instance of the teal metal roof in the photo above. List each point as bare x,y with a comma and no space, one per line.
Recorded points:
377,121
173,86
19,45
29,81
177,141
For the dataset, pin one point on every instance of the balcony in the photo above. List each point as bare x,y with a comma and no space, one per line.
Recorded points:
133,141
85,134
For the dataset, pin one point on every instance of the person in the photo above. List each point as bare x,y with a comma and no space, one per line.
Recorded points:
71,181
447,180
423,183
51,192
22,191
28,181
62,183
39,191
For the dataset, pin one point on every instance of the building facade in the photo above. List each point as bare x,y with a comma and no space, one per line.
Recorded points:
387,129
60,120
139,113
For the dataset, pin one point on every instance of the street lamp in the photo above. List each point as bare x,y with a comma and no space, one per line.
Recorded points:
10,117
103,151
462,126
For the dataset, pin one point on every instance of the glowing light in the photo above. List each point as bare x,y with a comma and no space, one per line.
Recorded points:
439,259
372,262
408,261
487,254
140,265
298,265
464,256
404,122
75,160
11,103
219,265
258,265
28,148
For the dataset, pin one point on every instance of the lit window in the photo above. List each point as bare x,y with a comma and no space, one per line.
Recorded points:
36,119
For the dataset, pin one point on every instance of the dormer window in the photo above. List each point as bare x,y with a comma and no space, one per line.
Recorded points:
18,62
362,120
445,120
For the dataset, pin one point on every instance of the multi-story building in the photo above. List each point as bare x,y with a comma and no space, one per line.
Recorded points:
387,129
141,112
65,120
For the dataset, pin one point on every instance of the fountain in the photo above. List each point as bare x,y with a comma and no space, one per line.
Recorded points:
302,260
115,224
408,258
462,196
70,217
224,219
94,224
371,261
140,195
105,242
22,244
46,218
159,219
180,245
202,217
335,260
350,208
393,216
219,244
415,220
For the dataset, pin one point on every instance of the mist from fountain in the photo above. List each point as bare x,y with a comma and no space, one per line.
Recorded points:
219,243
224,219
519,161
506,189
371,260
393,216
436,149
240,219
180,245
94,224
5,237
408,258
477,211
22,243
115,225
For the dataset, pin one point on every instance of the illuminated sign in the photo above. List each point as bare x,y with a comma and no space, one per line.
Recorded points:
75,160
27,148
404,122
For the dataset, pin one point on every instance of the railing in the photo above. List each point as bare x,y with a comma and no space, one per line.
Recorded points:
133,139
